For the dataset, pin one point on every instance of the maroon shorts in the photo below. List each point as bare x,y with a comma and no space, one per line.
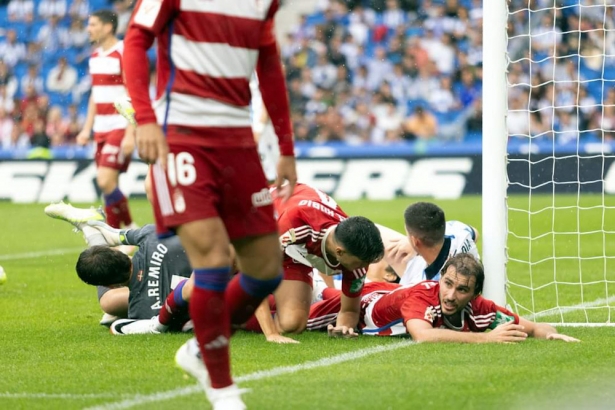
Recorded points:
205,182
297,271
109,152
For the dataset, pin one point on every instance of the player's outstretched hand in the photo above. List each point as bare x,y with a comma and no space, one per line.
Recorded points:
341,331
287,172
559,336
507,333
281,339
152,146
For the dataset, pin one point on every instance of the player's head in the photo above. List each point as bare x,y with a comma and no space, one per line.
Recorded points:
103,266
461,281
358,243
425,225
102,24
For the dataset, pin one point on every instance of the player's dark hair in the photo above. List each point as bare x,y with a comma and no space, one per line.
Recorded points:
359,236
467,265
103,266
425,221
107,17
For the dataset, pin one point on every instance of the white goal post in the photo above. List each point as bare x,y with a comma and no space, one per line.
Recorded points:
548,203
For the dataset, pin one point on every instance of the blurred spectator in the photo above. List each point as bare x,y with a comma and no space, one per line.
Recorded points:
393,16
324,73
6,129
21,10
388,124
62,77
74,123
566,128
123,11
378,69
421,125
442,99
39,138
30,97
32,78
6,103
56,128
52,36
34,54
79,9
7,80
78,36
12,51
48,8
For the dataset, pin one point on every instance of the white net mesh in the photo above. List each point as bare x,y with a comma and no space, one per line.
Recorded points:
561,126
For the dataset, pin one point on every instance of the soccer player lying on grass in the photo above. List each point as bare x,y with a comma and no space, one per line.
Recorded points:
316,233
449,310
161,280
429,243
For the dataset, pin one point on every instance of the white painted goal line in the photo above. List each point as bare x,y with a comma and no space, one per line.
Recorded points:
40,254
141,399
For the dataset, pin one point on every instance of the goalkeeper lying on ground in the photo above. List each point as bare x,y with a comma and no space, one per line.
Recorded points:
156,277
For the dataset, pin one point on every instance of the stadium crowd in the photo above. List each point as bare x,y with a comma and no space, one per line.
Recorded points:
378,71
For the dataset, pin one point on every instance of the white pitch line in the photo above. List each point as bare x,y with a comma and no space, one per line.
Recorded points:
259,375
573,308
40,254
63,396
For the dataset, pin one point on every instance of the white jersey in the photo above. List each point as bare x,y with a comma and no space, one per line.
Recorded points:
458,238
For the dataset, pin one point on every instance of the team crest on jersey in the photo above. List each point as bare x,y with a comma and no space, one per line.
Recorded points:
262,198
357,285
179,203
430,314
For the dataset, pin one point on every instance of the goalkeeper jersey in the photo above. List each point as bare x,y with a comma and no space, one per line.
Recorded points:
157,267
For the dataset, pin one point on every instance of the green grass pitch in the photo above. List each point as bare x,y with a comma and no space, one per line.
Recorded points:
54,355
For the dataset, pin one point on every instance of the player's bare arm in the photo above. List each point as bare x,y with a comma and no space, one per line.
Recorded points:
544,331
128,142
84,136
423,332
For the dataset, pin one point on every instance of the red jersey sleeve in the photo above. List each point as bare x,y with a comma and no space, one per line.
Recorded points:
486,314
420,302
352,282
153,15
272,84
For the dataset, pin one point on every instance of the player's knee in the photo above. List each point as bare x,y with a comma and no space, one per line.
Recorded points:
293,323
106,183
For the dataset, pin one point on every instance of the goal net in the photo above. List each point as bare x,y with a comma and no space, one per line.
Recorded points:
560,127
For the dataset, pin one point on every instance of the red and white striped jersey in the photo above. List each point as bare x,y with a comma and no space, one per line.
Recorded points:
107,86
304,223
207,53
387,314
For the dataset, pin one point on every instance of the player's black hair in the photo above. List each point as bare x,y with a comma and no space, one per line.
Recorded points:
467,265
103,266
359,236
107,17
425,221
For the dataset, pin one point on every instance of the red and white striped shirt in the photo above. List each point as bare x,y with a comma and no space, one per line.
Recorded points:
207,52
386,314
304,222
107,86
